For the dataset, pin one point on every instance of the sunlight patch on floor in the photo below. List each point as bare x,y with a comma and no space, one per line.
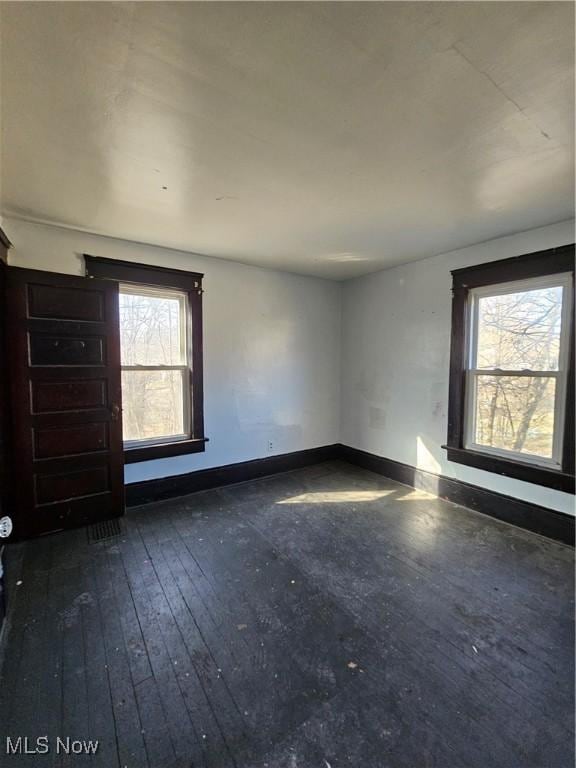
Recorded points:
415,495
331,497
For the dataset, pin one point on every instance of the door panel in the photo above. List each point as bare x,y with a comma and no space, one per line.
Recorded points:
54,396
66,350
51,442
68,485
67,303
64,354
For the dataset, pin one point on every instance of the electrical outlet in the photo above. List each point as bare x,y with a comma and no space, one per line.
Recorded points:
5,527
270,445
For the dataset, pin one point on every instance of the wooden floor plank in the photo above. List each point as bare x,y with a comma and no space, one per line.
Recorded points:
131,748
140,668
101,724
171,663
155,727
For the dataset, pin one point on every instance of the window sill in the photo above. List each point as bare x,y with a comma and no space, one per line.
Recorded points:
529,473
164,450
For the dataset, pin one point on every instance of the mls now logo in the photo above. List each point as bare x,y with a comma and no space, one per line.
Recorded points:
22,745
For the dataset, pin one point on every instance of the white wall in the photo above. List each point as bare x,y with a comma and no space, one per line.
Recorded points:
271,347
306,362
395,358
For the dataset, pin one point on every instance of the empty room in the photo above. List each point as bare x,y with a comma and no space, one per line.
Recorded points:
287,440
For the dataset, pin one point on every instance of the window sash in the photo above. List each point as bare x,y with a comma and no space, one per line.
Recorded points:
184,368
563,280
164,293
186,406
471,413
528,372
154,367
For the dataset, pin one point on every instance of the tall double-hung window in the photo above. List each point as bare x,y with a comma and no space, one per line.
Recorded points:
512,368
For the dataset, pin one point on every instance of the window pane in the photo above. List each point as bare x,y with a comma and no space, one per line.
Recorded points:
515,413
151,330
520,330
152,403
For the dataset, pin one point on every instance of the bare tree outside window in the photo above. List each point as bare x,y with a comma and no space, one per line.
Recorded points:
516,368
154,365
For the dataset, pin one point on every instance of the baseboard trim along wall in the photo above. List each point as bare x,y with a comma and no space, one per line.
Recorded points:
546,522
541,520
180,485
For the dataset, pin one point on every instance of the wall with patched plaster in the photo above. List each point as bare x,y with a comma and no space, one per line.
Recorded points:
395,359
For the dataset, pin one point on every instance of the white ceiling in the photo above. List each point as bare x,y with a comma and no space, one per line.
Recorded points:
330,139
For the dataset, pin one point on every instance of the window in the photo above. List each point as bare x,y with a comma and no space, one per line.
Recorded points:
512,369
155,372
160,324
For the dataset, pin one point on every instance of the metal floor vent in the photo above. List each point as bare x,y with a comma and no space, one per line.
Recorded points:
105,529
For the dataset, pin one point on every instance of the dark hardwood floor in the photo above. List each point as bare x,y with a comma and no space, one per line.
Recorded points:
322,618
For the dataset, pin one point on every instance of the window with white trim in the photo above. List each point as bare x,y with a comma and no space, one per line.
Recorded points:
155,365
517,369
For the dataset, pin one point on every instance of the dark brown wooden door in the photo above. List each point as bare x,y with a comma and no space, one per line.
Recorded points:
64,358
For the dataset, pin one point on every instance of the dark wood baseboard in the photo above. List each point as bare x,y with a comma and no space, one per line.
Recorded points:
180,485
541,520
